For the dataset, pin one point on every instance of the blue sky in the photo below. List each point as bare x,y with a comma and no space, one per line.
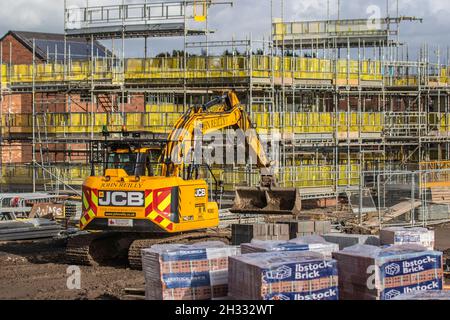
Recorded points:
246,17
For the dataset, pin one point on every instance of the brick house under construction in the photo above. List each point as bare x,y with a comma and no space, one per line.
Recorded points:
16,48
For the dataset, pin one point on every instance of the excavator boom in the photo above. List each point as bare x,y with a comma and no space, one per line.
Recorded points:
267,198
231,115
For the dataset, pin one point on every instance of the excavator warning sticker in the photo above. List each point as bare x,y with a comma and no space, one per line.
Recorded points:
120,222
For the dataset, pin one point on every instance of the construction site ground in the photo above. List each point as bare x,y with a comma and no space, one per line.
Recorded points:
37,270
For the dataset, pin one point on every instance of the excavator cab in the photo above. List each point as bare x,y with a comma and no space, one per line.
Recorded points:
136,160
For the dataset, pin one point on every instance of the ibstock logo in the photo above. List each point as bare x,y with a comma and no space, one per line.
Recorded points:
280,297
431,286
391,294
281,273
392,269
73,17
121,199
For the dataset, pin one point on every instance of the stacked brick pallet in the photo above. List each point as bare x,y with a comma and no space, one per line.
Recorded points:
283,276
300,228
440,195
306,228
400,235
349,240
187,272
371,273
309,243
283,231
245,233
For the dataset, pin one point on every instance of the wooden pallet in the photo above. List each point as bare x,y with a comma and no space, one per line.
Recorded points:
134,294
394,212
440,195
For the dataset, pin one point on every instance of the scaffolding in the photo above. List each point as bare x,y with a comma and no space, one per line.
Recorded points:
351,105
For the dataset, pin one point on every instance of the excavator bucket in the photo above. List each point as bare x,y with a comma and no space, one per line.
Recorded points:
283,201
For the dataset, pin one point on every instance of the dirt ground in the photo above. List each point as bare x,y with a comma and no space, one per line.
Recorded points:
36,270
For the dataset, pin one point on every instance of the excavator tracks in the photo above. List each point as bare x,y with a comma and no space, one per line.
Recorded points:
103,249
95,249
78,250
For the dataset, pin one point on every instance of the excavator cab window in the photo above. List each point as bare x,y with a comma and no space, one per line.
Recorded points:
125,161
152,161
134,163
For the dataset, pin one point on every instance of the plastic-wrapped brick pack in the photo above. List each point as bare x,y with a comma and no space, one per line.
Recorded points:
373,273
187,272
283,276
401,235
349,240
307,243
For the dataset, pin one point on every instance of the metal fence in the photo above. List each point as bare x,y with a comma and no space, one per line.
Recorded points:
407,198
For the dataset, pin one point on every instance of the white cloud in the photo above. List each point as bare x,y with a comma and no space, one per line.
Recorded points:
246,17
32,15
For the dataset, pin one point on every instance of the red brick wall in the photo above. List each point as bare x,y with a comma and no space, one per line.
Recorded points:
22,104
17,103
21,153
16,153
103,103
137,104
20,54
77,155
50,102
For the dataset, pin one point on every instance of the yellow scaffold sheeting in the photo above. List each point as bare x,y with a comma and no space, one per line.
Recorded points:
22,174
299,68
319,176
312,122
300,177
163,122
3,75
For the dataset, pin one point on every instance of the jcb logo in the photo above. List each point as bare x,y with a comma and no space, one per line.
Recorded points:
200,193
121,199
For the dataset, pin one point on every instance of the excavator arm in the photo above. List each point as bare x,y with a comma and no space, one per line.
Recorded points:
266,199
229,114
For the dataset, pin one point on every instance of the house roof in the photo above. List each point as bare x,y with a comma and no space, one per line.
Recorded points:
50,46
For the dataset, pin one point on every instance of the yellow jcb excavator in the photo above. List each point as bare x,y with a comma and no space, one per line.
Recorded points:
131,207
